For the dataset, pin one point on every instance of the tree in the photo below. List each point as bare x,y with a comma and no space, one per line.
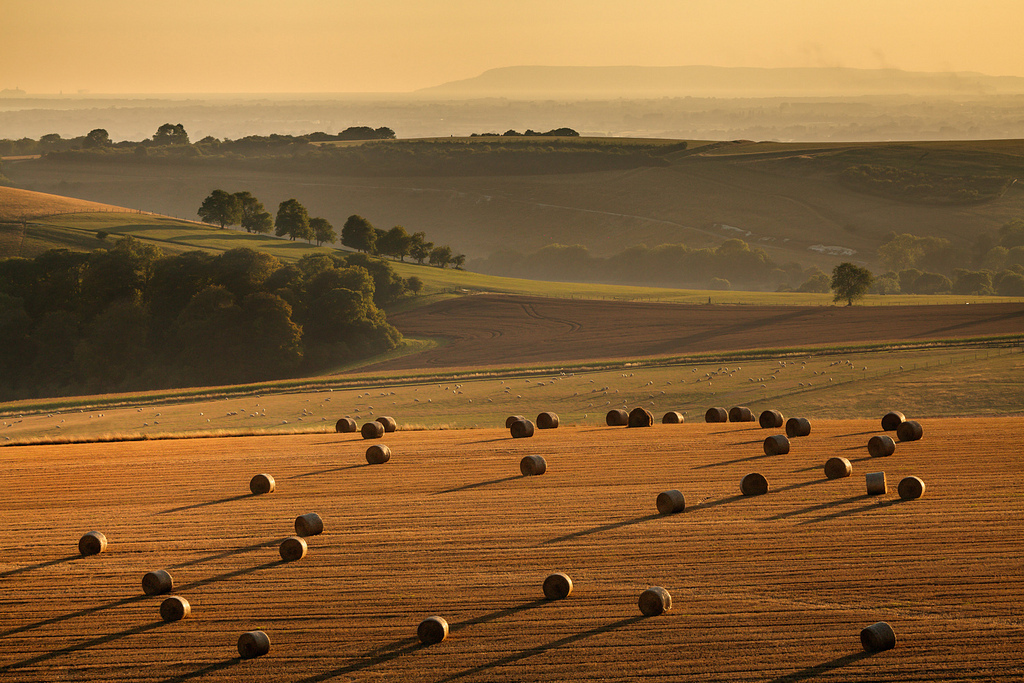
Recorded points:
292,220
441,256
221,207
253,217
322,231
358,234
171,134
458,260
850,282
419,247
97,137
414,285
395,243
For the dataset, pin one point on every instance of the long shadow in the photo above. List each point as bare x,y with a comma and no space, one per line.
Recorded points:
790,487
72,615
207,504
228,575
41,565
597,529
82,646
410,646
227,553
478,484
540,649
814,508
331,469
840,436
507,612
733,431
855,511
823,668
199,673
503,438
715,503
733,462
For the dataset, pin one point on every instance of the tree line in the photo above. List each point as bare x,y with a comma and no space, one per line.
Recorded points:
132,318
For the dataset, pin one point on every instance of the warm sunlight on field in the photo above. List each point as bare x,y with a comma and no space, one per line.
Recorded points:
18,205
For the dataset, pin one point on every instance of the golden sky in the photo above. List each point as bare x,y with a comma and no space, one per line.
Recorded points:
284,46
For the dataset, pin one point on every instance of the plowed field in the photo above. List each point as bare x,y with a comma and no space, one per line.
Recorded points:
503,330
771,588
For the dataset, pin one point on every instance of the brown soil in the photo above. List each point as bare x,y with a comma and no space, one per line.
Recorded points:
772,588
502,330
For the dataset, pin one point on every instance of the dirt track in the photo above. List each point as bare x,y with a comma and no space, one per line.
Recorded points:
774,588
499,330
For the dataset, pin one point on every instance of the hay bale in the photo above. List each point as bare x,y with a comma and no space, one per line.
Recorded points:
372,430
654,601
557,586
252,644
881,446
92,543
671,501
910,488
909,431
157,583
175,608
797,426
432,630
878,637
378,454
521,429
716,415
770,419
512,418
388,423
616,417
547,420
876,483
532,465
776,445
262,483
754,484
673,417
293,548
309,524
640,417
740,414
892,420
345,425
838,468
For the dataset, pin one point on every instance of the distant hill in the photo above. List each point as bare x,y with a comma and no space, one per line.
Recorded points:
567,82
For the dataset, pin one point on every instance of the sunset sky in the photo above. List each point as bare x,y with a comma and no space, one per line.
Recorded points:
122,46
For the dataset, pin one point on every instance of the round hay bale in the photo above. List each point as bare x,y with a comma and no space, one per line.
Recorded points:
797,426
521,429
372,430
512,418
673,417
388,423
616,417
309,524
293,548
716,415
262,483
175,608
878,637
157,583
547,420
345,425
532,465
557,586
671,501
770,419
776,445
378,454
640,417
654,601
740,414
92,543
252,644
910,488
432,630
880,446
892,420
909,431
838,468
876,483
754,484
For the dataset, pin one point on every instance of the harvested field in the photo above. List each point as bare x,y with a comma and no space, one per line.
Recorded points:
18,205
772,588
489,329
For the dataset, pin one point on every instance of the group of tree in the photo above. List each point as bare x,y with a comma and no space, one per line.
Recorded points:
132,318
923,187
397,243
510,133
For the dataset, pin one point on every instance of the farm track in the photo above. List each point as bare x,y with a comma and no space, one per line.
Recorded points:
493,329
774,588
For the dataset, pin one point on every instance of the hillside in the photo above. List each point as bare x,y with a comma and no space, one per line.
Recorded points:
20,205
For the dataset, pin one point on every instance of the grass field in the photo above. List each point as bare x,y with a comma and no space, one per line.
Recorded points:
774,588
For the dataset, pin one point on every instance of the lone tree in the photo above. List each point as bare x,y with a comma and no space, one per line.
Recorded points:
323,231
292,220
254,218
850,282
171,134
358,234
97,137
221,207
